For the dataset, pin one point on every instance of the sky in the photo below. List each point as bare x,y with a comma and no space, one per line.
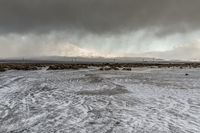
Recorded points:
167,29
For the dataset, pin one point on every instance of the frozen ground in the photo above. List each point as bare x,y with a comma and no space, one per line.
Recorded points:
91,101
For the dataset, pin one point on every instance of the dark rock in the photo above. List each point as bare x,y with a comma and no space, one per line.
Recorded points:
2,70
117,123
115,68
127,69
101,69
92,123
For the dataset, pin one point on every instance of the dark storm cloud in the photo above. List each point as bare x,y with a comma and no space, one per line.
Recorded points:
98,16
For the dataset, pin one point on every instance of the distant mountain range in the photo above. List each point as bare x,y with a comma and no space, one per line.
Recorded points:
84,59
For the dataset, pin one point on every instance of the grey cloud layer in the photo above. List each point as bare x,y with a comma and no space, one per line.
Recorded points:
98,16
100,27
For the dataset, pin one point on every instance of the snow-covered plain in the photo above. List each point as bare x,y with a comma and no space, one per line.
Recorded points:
92,101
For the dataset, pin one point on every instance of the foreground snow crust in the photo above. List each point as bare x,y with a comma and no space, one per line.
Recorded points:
91,101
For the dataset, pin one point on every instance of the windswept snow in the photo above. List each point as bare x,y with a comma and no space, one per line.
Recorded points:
92,101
